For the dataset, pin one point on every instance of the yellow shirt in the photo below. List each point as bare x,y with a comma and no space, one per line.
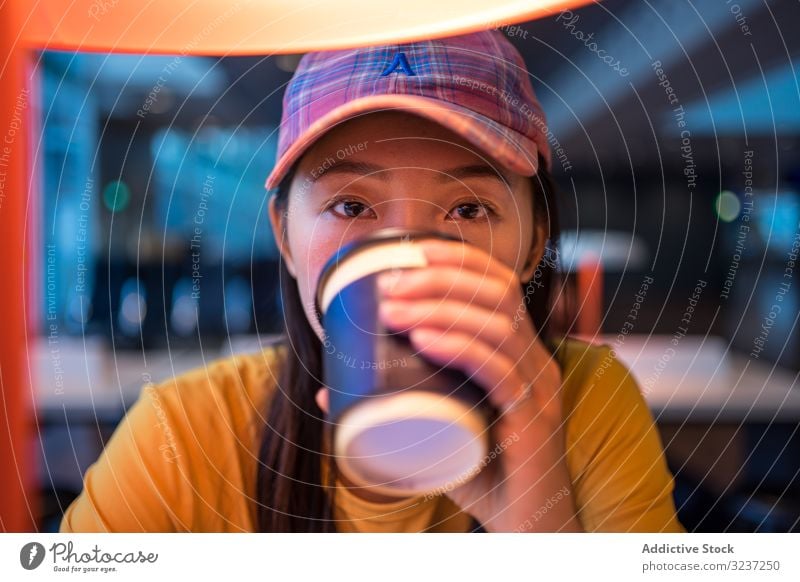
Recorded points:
184,457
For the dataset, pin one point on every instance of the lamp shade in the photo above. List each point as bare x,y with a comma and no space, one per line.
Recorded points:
249,27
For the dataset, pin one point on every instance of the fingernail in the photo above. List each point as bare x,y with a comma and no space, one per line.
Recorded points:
422,336
432,249
437,249
387,281
388,309
382,281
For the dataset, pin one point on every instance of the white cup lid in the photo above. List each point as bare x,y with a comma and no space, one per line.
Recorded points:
411,442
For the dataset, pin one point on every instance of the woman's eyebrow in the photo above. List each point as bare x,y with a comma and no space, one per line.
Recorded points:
474,171
350,167
370,170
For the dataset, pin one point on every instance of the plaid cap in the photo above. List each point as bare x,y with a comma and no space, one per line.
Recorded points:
474,84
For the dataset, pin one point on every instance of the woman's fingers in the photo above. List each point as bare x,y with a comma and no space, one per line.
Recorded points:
494,328
468,257
461,311
456,283
485,365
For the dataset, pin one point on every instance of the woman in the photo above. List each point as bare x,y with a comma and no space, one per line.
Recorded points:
444,135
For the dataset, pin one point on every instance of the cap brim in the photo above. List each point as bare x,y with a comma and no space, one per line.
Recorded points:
510,148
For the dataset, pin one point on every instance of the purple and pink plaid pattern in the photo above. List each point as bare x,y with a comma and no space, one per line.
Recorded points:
475,84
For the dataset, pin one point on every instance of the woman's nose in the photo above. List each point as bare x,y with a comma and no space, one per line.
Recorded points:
413,214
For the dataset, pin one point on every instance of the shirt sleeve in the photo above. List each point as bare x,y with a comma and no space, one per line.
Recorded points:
620,475
136,484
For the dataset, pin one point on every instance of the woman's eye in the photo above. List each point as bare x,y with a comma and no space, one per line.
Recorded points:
473,211
348,208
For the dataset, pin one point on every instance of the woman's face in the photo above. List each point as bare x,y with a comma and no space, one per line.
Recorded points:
393,169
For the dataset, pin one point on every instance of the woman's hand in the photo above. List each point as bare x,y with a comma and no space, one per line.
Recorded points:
460,313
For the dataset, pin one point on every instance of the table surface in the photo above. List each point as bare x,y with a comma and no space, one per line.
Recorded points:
700,381
703,380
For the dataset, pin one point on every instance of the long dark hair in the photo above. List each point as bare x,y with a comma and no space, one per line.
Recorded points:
290,492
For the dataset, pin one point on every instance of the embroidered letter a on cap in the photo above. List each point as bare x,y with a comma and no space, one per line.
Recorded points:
401,61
